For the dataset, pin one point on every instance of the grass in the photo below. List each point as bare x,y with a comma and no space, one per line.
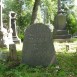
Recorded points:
67,63
66,67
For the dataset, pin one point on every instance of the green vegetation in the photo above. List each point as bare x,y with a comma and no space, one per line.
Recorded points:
45,13
71,23
66,67
24,9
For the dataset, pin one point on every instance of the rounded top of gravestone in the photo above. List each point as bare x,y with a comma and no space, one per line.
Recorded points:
61,14
38,46
41,26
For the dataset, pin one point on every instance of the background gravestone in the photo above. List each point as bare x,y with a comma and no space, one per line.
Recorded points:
38,46
12,24
3,31
60,31
60,22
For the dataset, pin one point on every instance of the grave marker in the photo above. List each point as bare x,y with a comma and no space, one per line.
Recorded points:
12,17
38,48
3,31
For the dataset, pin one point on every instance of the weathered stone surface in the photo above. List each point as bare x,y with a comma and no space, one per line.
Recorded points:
12,52
38,48
3,38
3,31
60,22
12,24
60,31
10,31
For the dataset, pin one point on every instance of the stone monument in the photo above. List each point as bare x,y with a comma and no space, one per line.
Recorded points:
10,31
12,53
60,22
12,19
3,31
38,48
60,31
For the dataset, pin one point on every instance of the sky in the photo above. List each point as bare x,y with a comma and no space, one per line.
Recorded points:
76,2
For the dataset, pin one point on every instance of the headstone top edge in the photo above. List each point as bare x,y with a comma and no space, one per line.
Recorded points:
41,24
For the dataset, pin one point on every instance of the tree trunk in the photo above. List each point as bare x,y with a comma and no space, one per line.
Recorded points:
35,10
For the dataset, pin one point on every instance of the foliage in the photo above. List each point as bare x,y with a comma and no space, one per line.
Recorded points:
71,24
67,6
35,11
23,8
49,9
67,67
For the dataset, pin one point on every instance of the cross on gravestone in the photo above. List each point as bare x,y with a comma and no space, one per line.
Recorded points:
38,48
12,24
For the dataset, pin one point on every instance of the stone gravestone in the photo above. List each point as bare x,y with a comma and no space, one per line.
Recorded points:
60,22
12,21
60,31
38,48
3,31
12,52
10,31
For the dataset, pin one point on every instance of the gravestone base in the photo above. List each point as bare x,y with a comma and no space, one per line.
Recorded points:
61,34
3,39
16,39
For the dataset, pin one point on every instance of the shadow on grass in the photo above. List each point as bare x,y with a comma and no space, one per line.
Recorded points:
67,63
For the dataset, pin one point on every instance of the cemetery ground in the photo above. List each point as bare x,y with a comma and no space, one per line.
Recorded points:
66,54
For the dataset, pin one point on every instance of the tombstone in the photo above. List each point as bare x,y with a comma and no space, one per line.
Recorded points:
3,31
60,31
12,21
60,22
12,52
38,48
10,31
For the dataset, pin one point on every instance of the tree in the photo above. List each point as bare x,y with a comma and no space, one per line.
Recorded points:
67,5
28,11
35,10
71,23
49,9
